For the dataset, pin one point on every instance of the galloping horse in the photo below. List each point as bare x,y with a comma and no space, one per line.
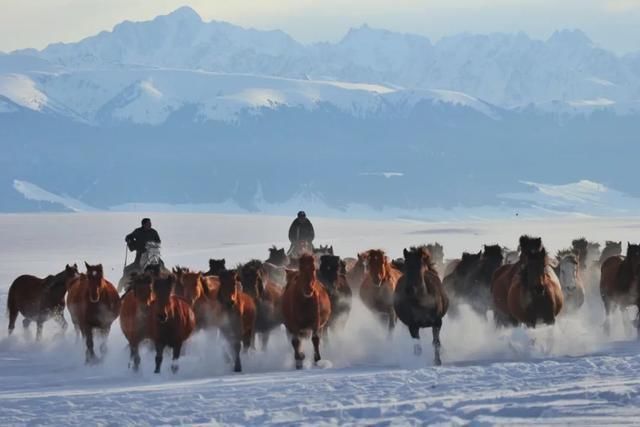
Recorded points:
620,282
239,314
378,286
535,293
94,303
215,267
171,321
419,298
355,273
332,275
568,273
39,299
267,297
503,276
274,267
200,292
135,314
306,307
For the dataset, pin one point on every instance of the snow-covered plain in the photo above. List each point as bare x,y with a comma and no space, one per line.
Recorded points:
567,374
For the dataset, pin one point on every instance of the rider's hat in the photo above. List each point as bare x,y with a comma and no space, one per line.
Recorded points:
301,214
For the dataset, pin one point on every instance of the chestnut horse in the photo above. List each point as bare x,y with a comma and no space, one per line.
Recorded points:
171,320
306,307
94,303
570,277
201,292
332,275
419,298
134,314
39,299
239,315
620,282
503,276
535,293
376,291
267,297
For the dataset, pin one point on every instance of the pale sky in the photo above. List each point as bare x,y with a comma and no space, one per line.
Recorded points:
614,24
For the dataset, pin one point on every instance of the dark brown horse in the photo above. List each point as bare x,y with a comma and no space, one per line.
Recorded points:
306,307
378,286
239,315
610,249
94,303
332,275
419,298
215,267
171,321
620,282
267,297
503,276
135,312
39,299
535,294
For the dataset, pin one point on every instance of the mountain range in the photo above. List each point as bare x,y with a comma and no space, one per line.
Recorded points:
180,111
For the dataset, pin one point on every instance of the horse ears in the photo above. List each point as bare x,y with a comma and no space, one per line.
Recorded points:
405,252
86,264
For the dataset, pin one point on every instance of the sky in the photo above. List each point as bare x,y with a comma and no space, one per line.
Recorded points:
613,24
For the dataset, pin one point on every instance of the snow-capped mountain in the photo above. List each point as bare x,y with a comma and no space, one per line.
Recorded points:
504,69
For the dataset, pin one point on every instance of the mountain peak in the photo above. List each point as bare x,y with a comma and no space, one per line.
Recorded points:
570,37
185,13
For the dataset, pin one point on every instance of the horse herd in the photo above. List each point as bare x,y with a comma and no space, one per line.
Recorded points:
311,295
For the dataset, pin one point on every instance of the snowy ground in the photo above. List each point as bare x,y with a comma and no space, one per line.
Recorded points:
567,374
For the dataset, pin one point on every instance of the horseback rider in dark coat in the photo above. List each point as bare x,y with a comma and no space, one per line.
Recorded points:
137,240
301,230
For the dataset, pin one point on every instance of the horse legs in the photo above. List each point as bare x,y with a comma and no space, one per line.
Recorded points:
607,315
415,334
264,339
176,355
90,355
62,322
435,329
315,339
159,351
39,325
134,356
298,355
104,335
237,344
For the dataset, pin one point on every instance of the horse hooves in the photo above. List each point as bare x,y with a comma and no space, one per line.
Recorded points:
299,364
437,361
417,349
174,369
157,371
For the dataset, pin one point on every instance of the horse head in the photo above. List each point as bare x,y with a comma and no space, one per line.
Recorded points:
230,288
192,286
216,266
377,264
417,260
141,284
568,272
534,272
278,257
614,247
330,267
633,257
251,277
162,290
437,252
94,280
529,245
307,267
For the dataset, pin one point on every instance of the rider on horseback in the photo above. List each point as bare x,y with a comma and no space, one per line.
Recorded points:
138,239
301,232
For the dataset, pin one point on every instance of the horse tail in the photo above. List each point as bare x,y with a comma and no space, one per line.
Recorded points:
12,303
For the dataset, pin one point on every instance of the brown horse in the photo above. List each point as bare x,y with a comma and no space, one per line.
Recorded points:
503,277
94,303
570,277
419,299
535,293
306,307
332,275
619,282
267,297
215,267
135,314
376,291
239,315
201,293
39,299
356,272
171,320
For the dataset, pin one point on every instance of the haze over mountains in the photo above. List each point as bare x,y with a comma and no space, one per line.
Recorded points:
179,111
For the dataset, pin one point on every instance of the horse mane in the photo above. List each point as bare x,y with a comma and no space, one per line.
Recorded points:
580,243
565,252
